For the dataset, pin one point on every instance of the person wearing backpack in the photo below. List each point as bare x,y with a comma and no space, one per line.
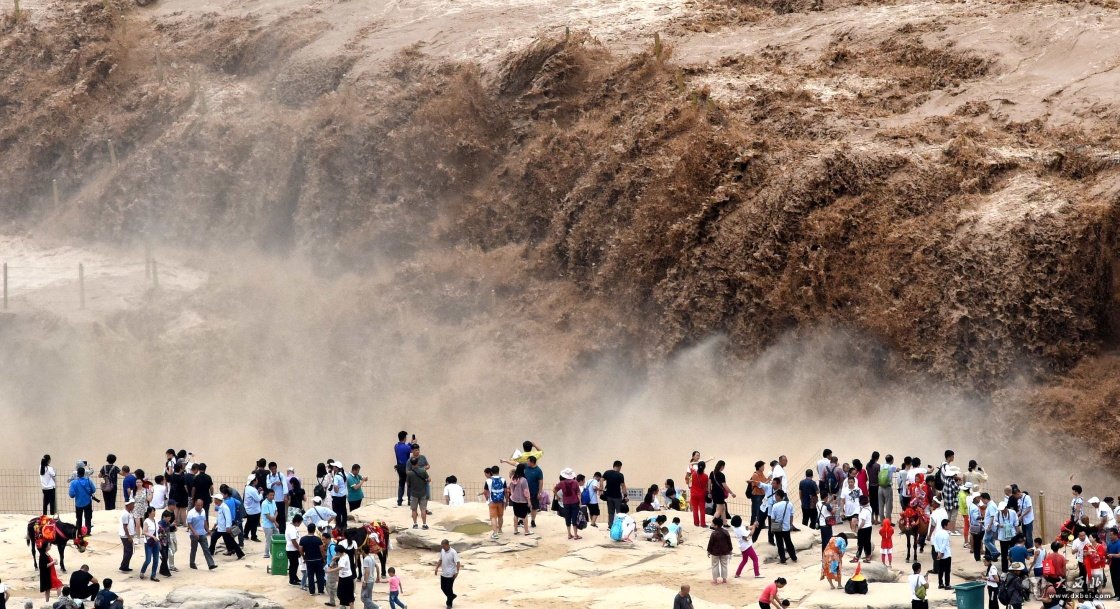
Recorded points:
496,497
885,479
1010,592
919,587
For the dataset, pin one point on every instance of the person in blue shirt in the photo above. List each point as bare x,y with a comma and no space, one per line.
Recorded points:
81,491
534,476
401,450
196,525
128,485
253,501
236,510
107,599
222,527
1018,552
1113,555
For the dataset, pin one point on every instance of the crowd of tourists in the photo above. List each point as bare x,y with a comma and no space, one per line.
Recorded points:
851,504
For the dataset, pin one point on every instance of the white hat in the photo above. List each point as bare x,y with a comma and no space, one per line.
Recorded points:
318,500
1002,506
291,469
967,486
974,496
347,544
1094,500
952,471
217,496
567,473
251,478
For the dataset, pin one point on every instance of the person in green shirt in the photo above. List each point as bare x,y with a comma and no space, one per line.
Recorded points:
354,482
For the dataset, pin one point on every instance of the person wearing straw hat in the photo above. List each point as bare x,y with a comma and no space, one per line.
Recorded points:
1015,586
569,491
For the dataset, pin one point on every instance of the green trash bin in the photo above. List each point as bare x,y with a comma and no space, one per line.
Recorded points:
970,595
280,557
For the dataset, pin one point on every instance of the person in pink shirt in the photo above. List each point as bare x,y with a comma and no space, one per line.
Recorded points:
769,598
395,590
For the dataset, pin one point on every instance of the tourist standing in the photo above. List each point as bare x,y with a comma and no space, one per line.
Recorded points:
873,469
570,492
354,492
1007,523
417,492
339,493
918,586
886,488
808,491
279,485
519,499
252,503
864,519
48,483
310,548
269,520
108,475
167,543
180,494
826,518
82,491
719,550
534,476
697,495
401,451
448,570
943,555
291,548
758,491
126,530
346,577
1026,512
614,490
496,495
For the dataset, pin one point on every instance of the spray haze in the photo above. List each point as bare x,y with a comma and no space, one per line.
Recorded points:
613,247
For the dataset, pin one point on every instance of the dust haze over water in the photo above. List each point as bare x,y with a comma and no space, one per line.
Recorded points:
273,358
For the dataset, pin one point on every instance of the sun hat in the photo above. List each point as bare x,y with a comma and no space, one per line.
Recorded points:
291,469
1018,566
567,473
1002,506
967,486
1094,500
318,500
952,471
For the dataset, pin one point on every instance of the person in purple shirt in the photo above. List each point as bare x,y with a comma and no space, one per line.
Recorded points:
402,451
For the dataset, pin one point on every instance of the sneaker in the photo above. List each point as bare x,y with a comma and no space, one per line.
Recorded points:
212,567
425,527
155,579
493,536
416,526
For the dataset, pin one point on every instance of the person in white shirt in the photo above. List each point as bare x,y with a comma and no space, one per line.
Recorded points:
864,520
937,515
159,494
448,569
850,495
47,480
781,519
453,493
371,574
916,581
338,493
126,530
196,524
943,554
292,535
151,544
822,465
778,470
252,502
1026,512
318,515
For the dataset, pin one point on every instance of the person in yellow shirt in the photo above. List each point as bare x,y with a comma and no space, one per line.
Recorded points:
528,449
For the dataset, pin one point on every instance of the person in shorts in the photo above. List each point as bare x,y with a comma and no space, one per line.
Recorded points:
497,498
418,492
592,490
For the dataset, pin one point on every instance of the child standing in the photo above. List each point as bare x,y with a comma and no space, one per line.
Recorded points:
742,535
886,543
395,590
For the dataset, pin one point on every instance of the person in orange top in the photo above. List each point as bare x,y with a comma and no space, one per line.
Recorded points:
886,544
697,495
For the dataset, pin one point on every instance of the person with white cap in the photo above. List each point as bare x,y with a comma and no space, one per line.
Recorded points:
279,484
569,491
318,515
1007,529
938,515
975,525
126,530
222,526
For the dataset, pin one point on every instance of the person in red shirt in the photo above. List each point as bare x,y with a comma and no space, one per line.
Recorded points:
769,598
886,543
861,476
1054,566
697,495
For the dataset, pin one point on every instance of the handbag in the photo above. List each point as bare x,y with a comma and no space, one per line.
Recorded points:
235,530
776,522
107,484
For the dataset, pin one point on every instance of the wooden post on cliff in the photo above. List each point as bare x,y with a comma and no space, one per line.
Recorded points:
1040,511
113,155
54,192
81,285
5,286
159,66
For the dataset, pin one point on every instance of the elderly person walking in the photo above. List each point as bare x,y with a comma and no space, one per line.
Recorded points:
719,549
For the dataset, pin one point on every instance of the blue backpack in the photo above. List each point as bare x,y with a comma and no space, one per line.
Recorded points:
497,490
585,496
